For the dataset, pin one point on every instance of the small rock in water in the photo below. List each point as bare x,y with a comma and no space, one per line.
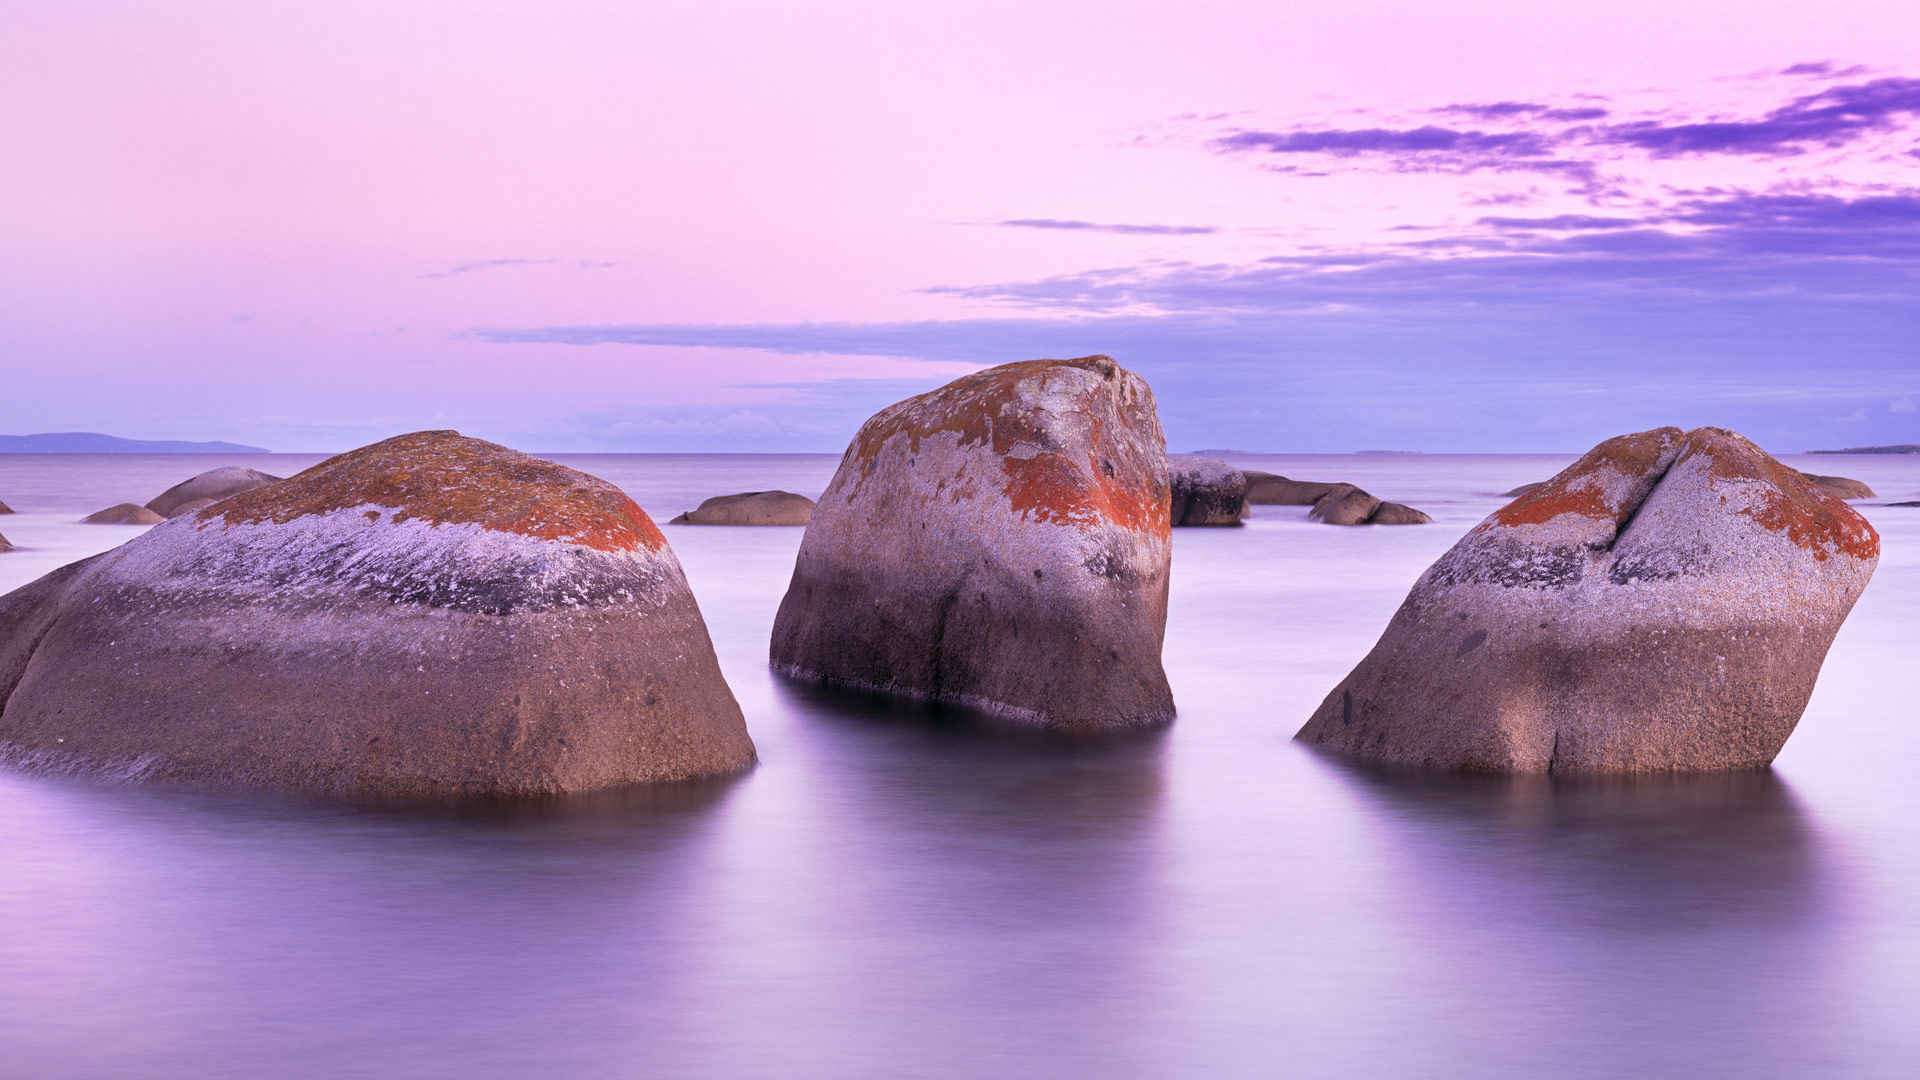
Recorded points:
1841,487
212,485
1205,492
750,508
123,514
1271,489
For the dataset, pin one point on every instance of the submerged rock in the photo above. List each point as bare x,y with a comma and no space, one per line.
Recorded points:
1205,492
1841,487
1662,605
430,616
1523,489
750,508
1345,504
1000,543
1272,489
5,509
123,514
4,546
213,484
1393,513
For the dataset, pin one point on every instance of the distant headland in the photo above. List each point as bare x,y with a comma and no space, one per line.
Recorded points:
92,442
1902,448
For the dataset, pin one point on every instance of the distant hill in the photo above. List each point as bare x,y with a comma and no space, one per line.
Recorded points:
92,442
1903,448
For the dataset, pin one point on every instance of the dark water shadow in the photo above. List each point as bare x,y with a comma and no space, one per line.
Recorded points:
963,760
1624,852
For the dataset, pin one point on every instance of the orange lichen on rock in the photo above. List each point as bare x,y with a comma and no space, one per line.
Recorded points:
1579,488
1787,502
984,409
443,477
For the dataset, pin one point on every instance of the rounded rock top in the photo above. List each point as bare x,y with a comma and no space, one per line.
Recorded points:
1013,410
1718,475
444,477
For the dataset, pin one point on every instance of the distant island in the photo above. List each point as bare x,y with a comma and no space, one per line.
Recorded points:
1903,448
92,442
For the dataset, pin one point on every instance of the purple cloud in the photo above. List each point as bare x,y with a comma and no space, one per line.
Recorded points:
1510,110
1834,116
1422,140
1559,221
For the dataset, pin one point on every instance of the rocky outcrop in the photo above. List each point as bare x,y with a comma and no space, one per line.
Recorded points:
1841,487
123,514
1662,605
750,508
4,546
1205,492
5,509
1000,543
213,484
1523,489
428,617
1344,504
1272,489
192,506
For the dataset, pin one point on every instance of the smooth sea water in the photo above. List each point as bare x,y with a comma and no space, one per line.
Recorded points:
898,893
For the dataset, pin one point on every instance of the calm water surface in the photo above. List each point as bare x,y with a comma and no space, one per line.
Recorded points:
894,893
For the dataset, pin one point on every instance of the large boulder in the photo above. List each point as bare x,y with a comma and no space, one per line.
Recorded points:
1841,487
428,617
5,509
1523,489
213,484
750,508
1272,489
4,546
1000,543
1662,605
123,514
1205,492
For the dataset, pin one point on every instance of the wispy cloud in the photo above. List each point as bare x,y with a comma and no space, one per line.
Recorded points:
1120,229
497,264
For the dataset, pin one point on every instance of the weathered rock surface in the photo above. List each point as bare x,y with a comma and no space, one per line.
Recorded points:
1841,487
1272,489
431,616
213,484
1205,492
1523,489
1344,505
1662,605
1000,543
750,508
123,514
191,506
1393,513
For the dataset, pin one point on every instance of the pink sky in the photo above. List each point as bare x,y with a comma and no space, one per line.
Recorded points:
250,220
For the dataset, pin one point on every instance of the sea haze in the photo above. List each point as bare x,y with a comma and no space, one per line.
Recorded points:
898,893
